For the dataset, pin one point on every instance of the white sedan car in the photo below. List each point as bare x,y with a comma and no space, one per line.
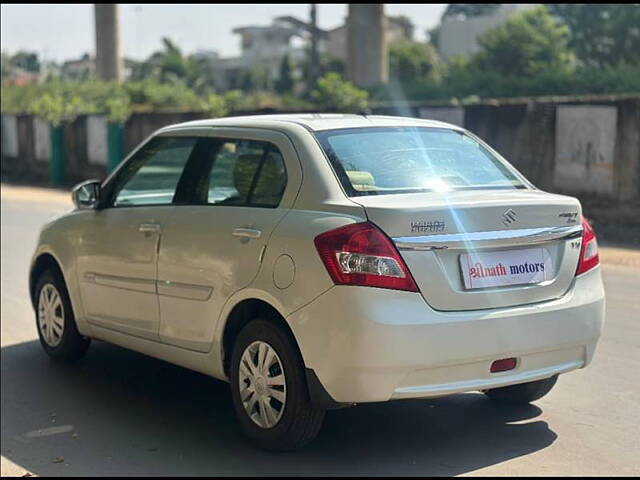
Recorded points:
320,261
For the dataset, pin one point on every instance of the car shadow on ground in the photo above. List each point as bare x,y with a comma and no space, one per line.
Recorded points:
118,412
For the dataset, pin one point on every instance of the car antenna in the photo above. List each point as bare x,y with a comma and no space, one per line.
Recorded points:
365,112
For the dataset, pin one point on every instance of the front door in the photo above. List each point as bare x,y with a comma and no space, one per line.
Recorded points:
118,247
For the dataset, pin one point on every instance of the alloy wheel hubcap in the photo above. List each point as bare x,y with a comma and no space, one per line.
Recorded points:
263,388
50,315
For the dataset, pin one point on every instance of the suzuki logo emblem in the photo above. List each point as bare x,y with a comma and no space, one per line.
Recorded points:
509,217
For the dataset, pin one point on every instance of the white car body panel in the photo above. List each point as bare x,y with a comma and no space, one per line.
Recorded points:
169,294
438,271
117,267
393,345
202,261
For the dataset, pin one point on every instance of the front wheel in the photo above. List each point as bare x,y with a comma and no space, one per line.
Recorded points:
269,389
55,321
524,392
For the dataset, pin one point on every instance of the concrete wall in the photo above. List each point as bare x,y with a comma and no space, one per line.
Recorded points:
97,144
588,145
9,136
585,144
85,144
453,115
626,169
579,145
141,125
522,133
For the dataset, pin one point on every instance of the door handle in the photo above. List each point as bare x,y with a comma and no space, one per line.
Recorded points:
247,232
148,227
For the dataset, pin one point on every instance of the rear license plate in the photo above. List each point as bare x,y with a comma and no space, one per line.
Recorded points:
509,267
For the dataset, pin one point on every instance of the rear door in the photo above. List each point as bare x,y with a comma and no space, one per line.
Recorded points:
228,206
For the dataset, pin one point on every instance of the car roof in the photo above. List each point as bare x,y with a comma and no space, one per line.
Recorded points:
314,121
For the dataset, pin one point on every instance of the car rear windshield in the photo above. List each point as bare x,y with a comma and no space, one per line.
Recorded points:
383,160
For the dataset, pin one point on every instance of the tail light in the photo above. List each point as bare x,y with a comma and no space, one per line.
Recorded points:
589,250
360,254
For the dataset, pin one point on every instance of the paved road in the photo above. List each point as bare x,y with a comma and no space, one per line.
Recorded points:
121,413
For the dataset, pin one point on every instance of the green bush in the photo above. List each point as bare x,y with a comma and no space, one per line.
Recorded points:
118,109
61,101
215,106
58,109
163,95
464,81
334,93
460,78
16,99
410,61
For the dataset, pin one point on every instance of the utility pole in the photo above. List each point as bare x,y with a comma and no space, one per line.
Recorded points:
108,58
367,56
314,66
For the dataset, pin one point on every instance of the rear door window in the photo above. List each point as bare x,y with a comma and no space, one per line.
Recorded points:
238,172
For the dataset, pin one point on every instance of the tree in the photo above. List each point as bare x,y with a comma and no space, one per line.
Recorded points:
202,76
170,62
527,44
284,84
327,63
602,34
468,10
169,65
27,61
254,79
410,62
6,65
334,93
433,36
19,63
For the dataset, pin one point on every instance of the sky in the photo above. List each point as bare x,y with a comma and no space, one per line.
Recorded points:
61,32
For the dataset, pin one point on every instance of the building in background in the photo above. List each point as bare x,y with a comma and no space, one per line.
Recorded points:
263,47
82,68
460,36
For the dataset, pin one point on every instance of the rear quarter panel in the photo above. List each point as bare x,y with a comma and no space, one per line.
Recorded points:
320,206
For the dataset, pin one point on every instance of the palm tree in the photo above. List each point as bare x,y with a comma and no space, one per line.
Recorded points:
170,65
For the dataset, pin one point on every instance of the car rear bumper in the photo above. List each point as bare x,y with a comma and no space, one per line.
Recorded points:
368,344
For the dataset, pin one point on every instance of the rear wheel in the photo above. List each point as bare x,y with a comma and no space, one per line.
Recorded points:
269,390
524,392
55,321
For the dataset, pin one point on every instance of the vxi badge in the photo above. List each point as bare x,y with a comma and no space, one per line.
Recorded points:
572,217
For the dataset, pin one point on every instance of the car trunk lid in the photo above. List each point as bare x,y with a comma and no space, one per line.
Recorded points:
443,236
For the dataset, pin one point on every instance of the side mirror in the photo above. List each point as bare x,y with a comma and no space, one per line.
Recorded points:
86,195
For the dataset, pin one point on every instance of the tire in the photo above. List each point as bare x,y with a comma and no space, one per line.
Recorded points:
299,419
524,392
67,344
